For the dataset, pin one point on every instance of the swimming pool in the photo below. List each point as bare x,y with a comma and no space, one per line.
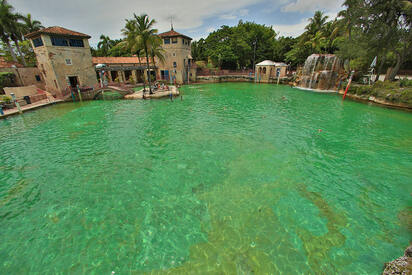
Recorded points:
236,177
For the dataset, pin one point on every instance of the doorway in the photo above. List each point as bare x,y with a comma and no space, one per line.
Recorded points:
74,81
113,74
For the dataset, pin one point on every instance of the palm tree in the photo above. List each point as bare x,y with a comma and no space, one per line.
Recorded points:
316,23
16,30
6,22
31,25
156,51
105,44
144,37
133,45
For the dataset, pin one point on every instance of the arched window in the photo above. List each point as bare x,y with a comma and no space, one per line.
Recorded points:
264,70
260,70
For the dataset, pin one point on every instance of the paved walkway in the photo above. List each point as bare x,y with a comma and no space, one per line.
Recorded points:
28,107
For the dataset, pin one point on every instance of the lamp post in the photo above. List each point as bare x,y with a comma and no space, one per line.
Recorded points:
254,55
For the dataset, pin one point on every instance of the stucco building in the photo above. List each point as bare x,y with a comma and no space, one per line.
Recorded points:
24,76
123,69
268,71
64,59
178,65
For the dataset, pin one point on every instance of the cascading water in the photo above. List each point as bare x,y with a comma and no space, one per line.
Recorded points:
321,71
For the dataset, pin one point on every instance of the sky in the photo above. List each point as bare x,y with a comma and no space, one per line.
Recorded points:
194,18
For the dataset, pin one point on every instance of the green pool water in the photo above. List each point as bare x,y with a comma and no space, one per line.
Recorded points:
233,179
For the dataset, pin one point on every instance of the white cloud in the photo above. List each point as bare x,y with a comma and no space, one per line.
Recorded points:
234,14
312,5
299,28
97,17
291,30
210,30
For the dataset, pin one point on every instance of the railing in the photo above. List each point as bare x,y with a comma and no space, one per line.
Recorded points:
208,72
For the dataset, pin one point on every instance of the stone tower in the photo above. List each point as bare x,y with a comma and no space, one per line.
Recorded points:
178,59
64,58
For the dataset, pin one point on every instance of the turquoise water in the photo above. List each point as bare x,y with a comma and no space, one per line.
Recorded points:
235,179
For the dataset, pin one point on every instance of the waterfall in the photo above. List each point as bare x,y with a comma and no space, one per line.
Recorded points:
313,70
320,71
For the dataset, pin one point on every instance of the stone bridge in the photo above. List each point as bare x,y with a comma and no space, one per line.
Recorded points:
120,92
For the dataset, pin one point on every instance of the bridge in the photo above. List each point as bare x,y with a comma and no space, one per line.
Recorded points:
109,92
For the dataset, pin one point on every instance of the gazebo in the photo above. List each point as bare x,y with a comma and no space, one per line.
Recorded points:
269,71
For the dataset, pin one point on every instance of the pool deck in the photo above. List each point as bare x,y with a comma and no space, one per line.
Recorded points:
157,94
29,107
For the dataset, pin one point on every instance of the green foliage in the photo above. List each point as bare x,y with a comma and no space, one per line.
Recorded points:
6,99
7,79
405,82
388,91
234,47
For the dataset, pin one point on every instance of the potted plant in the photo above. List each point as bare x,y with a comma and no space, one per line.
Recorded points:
8,103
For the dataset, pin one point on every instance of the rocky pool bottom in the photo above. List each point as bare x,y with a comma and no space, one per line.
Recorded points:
235,177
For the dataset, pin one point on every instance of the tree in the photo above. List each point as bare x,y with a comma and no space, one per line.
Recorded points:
31,25
139,33
156,50
6,20
104,45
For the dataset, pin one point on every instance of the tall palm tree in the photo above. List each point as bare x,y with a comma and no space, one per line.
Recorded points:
133,45
31,25
144,37
316,22
16,30
156,51
6,22
105,44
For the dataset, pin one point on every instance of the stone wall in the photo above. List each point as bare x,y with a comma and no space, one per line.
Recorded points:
27,76
178,53
52,63
224,78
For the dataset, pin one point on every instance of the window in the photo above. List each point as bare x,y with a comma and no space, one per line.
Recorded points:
37,42
68,61
38,77
264,70
59,41
174,54
76,43
167,40
183,42
174,64
174,40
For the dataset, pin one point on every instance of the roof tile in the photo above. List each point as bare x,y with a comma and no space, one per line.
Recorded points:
59,31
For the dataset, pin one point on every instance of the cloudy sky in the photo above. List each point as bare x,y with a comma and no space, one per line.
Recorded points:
195,18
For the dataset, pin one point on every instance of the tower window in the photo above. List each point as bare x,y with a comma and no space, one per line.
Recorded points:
167,40
37,42
76,43
59,41
68,61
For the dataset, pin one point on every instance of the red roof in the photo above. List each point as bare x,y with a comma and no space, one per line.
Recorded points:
59,31
9,64
119,60
173,33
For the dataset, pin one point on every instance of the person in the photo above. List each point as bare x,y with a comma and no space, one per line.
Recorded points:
1,111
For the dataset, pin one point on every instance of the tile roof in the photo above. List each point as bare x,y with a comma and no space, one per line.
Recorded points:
173,33
119,60
57,30
9,64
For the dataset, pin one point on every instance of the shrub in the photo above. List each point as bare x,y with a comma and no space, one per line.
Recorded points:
7,79
6,99
405,82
